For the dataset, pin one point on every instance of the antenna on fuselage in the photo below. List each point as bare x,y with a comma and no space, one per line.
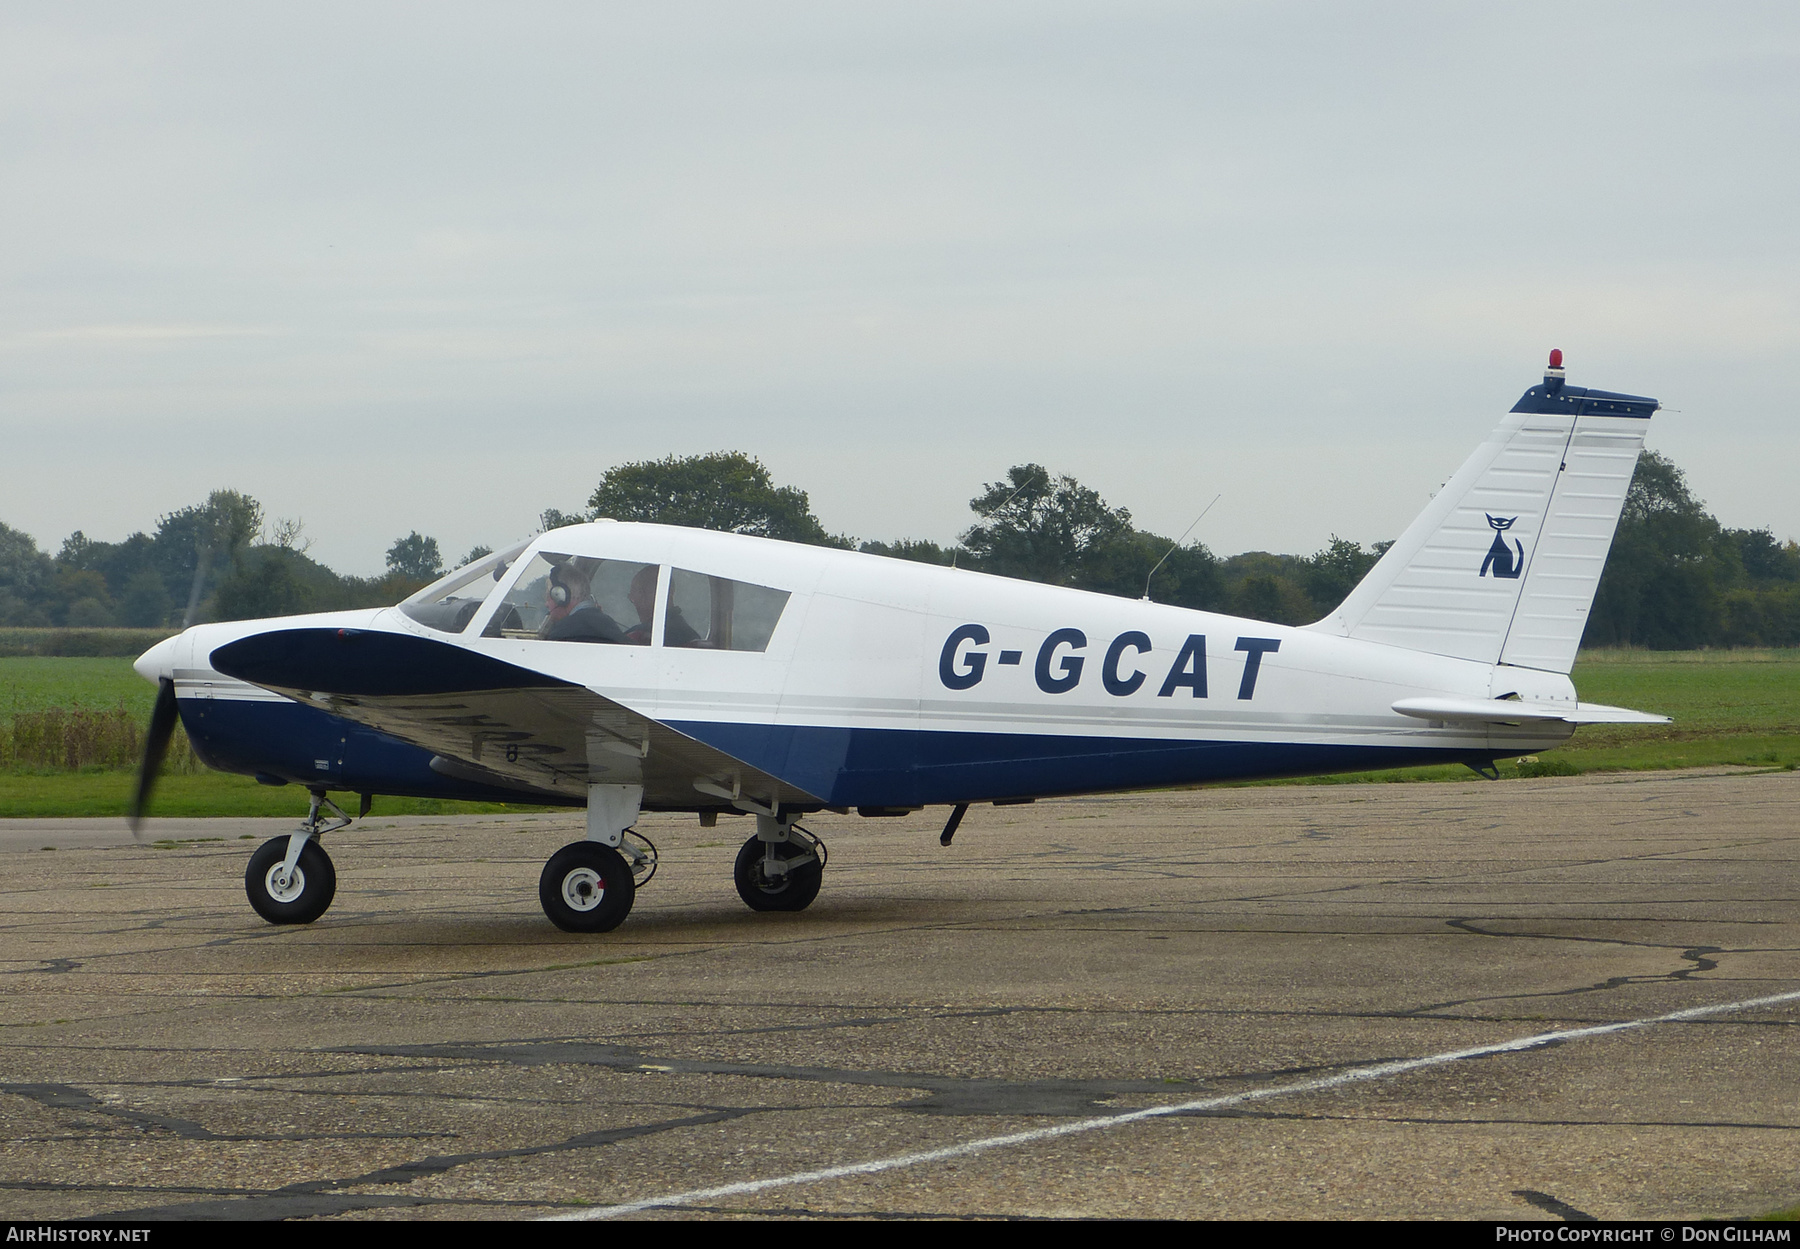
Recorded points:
1183,538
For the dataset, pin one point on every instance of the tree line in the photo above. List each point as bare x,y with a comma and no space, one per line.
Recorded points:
1676,578
216,560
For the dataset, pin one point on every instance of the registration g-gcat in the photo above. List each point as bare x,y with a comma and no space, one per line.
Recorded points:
633,667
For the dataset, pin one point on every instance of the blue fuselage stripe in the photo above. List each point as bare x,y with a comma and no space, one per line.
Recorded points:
846,767
901,767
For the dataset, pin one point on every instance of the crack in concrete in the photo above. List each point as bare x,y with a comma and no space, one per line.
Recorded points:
959,1216
68,1097
53,1186
1487,1120
315,1198
943,1095
1695,954
52,966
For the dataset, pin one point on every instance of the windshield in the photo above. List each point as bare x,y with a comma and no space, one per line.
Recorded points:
450,602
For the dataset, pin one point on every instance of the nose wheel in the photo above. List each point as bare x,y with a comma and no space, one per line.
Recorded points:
587,887
284,894
290,880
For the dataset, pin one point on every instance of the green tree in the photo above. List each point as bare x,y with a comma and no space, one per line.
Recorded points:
415,557
726,490
263,583
145,600
89,613
25,575
1262,586
1330,575
197,547
552,518
1184,576
81,599
1767,615
1763,558
1046,527
1660,587
120,563
1041,528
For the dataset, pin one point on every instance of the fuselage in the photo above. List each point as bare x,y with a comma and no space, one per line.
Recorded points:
885,683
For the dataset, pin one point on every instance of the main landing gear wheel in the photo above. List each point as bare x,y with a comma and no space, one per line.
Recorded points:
765,890
298,897
586,887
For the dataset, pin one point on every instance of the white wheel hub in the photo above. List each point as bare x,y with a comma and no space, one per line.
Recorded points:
285,887
583,889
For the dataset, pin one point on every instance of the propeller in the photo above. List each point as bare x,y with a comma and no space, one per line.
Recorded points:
163,719
165,715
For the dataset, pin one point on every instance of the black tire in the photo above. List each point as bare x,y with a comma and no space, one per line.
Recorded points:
309,893
587,887
793,892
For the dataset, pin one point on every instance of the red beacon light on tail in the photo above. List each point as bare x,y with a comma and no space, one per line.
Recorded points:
1553,376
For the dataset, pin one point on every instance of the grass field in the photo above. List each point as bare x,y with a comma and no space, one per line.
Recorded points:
95,792
32,683
127,642
1729,707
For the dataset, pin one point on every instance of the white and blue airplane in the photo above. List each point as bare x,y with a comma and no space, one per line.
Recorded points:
637,667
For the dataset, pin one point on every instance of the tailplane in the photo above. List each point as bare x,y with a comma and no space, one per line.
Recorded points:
1503,564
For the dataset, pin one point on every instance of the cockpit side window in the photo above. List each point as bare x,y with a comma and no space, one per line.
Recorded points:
449,603
715,613
578,598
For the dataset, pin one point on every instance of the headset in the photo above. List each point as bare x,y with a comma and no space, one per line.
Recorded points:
559,593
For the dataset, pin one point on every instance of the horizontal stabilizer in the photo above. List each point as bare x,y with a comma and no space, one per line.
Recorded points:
1514,711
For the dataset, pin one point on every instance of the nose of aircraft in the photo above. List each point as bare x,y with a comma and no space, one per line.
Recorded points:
158,662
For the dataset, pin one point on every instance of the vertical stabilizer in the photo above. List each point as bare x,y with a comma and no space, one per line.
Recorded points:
1501,567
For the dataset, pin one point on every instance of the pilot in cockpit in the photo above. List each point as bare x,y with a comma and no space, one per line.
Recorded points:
570,613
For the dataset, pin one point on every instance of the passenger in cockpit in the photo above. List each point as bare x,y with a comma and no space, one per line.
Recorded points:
570,613
643,598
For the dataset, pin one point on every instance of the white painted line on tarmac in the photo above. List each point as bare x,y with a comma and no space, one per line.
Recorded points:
1361,1075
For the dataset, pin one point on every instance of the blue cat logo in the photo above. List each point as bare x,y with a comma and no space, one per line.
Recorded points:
1502,561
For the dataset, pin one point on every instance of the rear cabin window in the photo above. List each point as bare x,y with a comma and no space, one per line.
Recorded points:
715,613
577,598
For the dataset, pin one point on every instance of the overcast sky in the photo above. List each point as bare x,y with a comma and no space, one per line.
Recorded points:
437,267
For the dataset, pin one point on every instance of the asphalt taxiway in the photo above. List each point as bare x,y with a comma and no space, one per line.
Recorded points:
1322,982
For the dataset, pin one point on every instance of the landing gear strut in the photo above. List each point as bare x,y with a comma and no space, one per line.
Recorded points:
290,880
781,868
